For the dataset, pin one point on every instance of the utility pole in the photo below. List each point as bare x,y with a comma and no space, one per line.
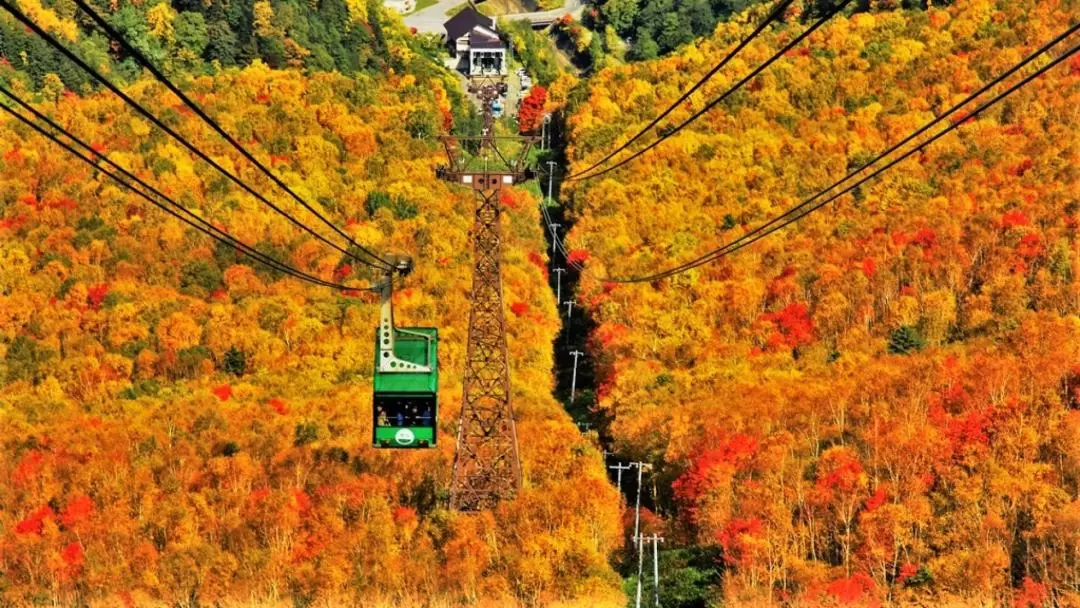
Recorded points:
554,235
558,285
656,569
641,540
566,329
544,131
551,179
637,505
487,467
573,378
620,467
640,561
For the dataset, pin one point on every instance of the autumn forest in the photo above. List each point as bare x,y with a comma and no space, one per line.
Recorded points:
876,404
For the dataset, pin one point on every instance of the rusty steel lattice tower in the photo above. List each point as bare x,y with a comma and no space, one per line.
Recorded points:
486,464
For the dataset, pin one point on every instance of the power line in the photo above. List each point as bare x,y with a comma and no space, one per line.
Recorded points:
836,9
53,42
803,209
146,63
557,242
558,245
208,228
778,10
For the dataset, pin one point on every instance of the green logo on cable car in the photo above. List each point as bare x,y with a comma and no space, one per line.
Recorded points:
404,437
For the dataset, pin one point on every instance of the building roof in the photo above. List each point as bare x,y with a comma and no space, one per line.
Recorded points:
478,42
480,38
465,21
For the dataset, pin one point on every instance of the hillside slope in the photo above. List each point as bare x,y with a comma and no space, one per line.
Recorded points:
183,428
880,402
348,36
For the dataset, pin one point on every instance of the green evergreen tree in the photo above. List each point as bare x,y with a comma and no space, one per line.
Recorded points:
221,43
906,339
621,15
421,123
698,16
305,433
24,359
644,45
235,362
596,51
191,33
674,32
200,275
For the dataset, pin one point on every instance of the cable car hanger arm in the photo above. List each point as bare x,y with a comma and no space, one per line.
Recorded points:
388,359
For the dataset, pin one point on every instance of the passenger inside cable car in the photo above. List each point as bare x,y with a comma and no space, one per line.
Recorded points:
405,420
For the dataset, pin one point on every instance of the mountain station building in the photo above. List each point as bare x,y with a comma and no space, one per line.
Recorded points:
472,38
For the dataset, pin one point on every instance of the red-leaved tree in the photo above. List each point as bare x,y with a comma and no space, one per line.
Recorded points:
532,110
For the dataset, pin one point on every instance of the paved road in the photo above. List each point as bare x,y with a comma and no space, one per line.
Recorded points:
432,18
572,7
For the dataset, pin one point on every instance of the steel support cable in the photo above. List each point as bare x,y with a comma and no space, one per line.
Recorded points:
146,63
227,239
53,42
209,229
712,104
778,10
805,208
1046,47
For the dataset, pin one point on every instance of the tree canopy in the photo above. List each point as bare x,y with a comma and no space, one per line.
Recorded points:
879,402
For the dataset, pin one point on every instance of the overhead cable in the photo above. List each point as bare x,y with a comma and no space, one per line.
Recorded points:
206,227
808,206
52,41
773,15
712,104
146,63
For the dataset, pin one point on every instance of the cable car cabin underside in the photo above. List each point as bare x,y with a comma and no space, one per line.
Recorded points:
406,385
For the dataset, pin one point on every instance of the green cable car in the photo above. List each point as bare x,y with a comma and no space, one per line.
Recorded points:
405,412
